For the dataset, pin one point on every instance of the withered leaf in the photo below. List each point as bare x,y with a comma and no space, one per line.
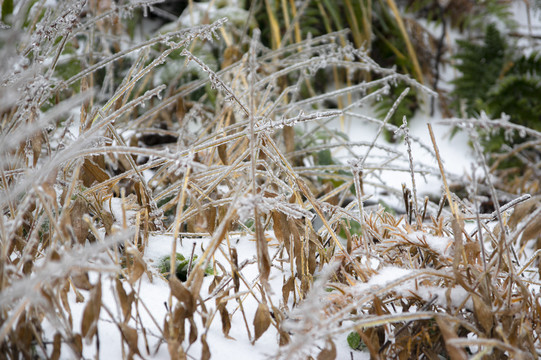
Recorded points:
37,142
222,153
48,187
182,294
235,269
139,265
205,351
91,313
77,341
175,350
328,352
193,331
231,54
262,320
210,214
448,332
92,172
77,210
81,281
125,300
289,138
197,279
263,259
288,287
483,313
226,321
130,337
57,342
180,110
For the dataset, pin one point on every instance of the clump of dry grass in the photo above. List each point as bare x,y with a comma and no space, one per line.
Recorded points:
97,163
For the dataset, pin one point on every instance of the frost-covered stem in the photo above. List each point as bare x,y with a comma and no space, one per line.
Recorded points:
495,200
412,171
191,35
510,204
215,80
525,223
158,61
342,91
486,123
452,204
262,254
146,189
390,113
132,104
357,170
478,220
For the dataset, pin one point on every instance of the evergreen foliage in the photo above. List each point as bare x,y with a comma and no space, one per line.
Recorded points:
494,80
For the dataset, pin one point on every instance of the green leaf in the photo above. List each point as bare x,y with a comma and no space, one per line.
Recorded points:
7,9
354,340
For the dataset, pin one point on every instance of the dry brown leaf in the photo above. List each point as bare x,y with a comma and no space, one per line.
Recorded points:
483,313
91,313
178,322
37,142
205,351
76,212
48,187
193,331
328,352
65,303
222,153
289,138
210,214
262,320
57,344
77,342
182,294
175,350
289,286
81,281
92,172
131,338
231,55
226,319
198,276
449,332
108,220
139,265
263,259
180,110
235,269
124,299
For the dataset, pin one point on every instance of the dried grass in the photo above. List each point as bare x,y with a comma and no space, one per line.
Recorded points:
79,212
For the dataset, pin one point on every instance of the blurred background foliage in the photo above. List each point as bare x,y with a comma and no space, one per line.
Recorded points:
470,52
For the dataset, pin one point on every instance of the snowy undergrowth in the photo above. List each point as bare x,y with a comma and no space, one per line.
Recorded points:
125,156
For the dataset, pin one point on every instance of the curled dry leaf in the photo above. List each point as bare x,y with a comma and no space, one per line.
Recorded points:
449,332
80,280
131,337
92,172
328,352
139,265
57,342
182,294
124,299
262,320
483,314
205,350
91,314
76,212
